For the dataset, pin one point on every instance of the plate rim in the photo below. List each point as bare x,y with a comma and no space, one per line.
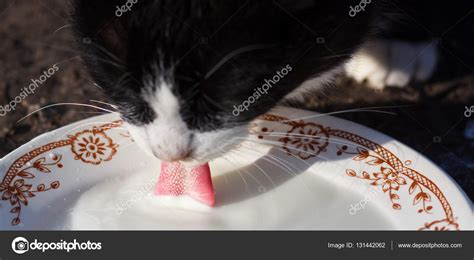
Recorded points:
12,156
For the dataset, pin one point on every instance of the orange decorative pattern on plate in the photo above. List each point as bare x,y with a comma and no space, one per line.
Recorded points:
302,139
89,146
310,139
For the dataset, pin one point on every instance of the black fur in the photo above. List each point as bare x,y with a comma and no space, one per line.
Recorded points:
188,38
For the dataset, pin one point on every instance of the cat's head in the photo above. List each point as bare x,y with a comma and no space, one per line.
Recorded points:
189,76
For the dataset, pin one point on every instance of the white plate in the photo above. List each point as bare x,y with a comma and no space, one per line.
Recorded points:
344,177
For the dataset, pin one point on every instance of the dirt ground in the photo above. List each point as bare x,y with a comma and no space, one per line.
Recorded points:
35,35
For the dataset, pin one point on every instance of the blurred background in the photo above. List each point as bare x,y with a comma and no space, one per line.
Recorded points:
432,118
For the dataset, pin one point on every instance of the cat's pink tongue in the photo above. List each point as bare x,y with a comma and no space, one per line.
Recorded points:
178,180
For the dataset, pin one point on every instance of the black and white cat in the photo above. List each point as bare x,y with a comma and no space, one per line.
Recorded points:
178,69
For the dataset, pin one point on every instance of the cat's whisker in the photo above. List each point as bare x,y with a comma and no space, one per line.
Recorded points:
289,170
126,147
104,103
281,149
126,140
222,156
328,139
251,175
265,174
273,157
70,50
106,52
88,112
91,123
364,109
289,147
66,104
68,59
230,55
114,60
62,27
97,86
285,162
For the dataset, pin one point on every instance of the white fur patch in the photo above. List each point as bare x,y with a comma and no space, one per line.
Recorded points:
393,63
168,134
